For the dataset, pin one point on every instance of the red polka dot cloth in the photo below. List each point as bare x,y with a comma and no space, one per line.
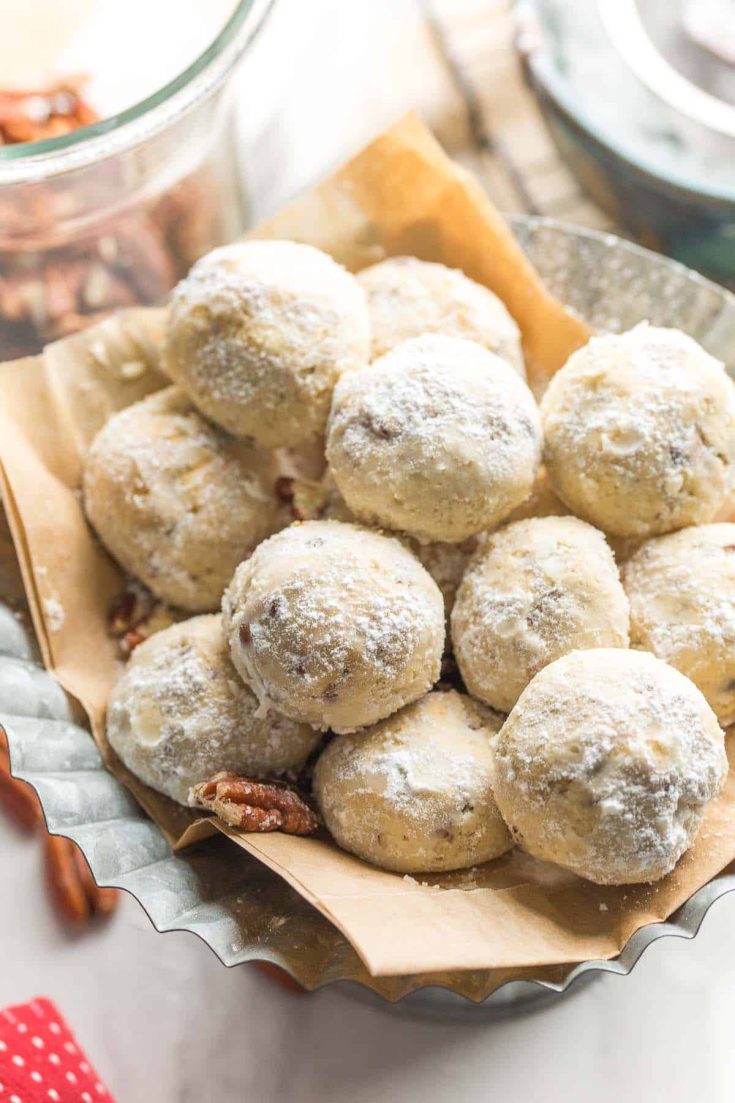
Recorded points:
41,1061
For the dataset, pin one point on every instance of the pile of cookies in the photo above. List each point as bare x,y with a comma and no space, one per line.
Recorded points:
493,622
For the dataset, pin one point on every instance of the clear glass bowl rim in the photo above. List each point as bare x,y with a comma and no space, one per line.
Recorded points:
32,161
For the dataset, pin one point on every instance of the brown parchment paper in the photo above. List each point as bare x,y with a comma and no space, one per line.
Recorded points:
401,194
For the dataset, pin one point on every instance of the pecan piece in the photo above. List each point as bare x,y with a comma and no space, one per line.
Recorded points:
67,891
16,797
134,616
255,805
128,610
30,115
74,891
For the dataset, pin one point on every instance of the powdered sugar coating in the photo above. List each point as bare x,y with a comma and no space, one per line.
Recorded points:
408,297
446,563
639,432
178,502
681,589
606,765
258,334
334,625
534,590
180,713
439,439
415,793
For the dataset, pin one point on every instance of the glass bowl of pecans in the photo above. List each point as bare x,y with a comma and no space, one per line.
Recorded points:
114,181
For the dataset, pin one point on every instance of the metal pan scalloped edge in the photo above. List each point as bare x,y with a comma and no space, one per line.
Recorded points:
241,910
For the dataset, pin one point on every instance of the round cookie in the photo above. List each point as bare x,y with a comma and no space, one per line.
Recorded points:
414,793
534,590
439,439
175,500
606,765
408,297
334,625
681,589
258,334
639,432
179,714
445,563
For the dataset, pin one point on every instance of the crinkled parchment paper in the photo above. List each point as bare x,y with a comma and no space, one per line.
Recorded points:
400,195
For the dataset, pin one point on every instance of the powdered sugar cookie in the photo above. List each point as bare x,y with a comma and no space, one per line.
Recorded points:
439,439
334,625
681,589
606,765
535,590
178,502
415,793
408,297
180,713
639,432
258,334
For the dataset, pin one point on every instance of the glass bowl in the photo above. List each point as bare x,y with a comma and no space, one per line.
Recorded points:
116,212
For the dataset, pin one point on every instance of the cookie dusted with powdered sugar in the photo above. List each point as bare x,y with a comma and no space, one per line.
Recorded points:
606,765
177,501
534,590
180,713
439,439
681,590
334,625
639,432
414,793
408,297
259,333
446,563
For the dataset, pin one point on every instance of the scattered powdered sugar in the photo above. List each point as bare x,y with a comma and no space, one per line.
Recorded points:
54,614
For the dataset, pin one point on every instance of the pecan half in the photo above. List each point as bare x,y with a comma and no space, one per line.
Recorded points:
77,896
255,805
16,797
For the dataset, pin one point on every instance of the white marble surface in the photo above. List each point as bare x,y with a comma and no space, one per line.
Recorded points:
165,1023
161,1018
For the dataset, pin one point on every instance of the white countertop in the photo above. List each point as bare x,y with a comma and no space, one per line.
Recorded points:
162,1020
